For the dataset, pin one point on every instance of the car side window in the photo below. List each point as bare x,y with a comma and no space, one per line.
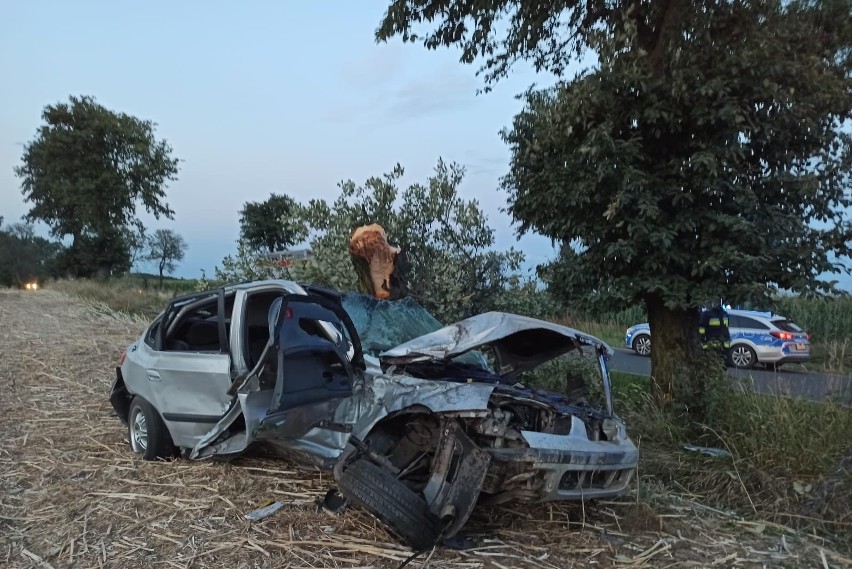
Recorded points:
151,334
751,323
197,329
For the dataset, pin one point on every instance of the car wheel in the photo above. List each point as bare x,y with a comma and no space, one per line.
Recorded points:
378,491
642,345
148,435
742,357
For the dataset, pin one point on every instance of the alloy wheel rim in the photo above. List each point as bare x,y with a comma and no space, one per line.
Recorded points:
643,345
139,432
741,357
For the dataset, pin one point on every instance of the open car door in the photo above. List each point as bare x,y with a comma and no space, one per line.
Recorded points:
319,356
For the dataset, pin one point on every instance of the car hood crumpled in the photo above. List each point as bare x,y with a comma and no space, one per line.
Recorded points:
519,343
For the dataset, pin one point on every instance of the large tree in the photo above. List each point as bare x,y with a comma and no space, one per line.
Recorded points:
165,248
266,225
86,172
704,156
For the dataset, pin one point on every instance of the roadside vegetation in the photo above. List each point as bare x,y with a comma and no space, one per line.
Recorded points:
135,294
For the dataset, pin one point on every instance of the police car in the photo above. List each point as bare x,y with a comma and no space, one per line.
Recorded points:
756,337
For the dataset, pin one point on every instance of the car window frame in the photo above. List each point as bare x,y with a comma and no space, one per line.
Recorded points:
180,307
152,334
748,323
796,329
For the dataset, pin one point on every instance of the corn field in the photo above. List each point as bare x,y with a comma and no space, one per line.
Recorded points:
824,318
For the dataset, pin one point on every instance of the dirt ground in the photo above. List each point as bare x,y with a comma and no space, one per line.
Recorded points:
73,495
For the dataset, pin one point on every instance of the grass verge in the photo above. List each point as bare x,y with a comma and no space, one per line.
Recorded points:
137,295
790,460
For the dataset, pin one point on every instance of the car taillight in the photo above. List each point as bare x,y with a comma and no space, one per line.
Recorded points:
121,358
782,335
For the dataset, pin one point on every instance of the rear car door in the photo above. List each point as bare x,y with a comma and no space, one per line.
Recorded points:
753,333
191,366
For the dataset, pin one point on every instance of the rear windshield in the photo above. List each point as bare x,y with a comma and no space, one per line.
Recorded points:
787,325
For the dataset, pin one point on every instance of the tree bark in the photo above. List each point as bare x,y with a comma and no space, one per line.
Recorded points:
676,355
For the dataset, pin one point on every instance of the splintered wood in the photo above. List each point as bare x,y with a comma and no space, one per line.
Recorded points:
73,495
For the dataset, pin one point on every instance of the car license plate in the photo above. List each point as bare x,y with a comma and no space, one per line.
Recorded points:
801,347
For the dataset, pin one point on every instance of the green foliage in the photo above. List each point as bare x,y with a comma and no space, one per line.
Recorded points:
136,240
24,256
246,265
546,33
823,317
776,432
767,435
704,157
527,297
166,247
829,322
270,224
448,259
701,182
86,172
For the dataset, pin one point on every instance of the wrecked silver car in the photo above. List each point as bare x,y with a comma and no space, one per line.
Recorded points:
416,432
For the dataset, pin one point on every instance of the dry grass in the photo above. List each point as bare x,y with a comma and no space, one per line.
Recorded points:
123,295
73,495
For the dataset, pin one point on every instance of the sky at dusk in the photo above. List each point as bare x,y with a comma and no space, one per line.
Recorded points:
258,97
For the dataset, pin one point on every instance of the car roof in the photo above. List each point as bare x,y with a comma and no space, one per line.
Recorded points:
767,315
242,285
757,314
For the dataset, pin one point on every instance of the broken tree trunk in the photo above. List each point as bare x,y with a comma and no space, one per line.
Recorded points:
375,262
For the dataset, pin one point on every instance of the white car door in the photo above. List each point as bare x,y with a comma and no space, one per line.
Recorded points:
190,373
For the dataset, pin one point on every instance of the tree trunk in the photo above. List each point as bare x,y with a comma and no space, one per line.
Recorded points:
676,356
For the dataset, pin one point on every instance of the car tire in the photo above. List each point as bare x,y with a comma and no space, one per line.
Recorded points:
147,432
742,356
402,510
642,345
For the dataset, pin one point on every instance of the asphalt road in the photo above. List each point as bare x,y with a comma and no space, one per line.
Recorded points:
791,380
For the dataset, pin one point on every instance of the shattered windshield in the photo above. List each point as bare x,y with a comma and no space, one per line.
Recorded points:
383,324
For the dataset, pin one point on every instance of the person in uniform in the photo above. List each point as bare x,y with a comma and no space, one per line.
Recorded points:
713,330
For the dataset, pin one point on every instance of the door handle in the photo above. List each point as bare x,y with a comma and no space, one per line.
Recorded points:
153,375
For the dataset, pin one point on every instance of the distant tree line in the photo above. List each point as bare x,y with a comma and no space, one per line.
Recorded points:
24,256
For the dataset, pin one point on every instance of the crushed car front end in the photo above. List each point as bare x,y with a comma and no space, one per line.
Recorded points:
544,446
570,453
512,442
